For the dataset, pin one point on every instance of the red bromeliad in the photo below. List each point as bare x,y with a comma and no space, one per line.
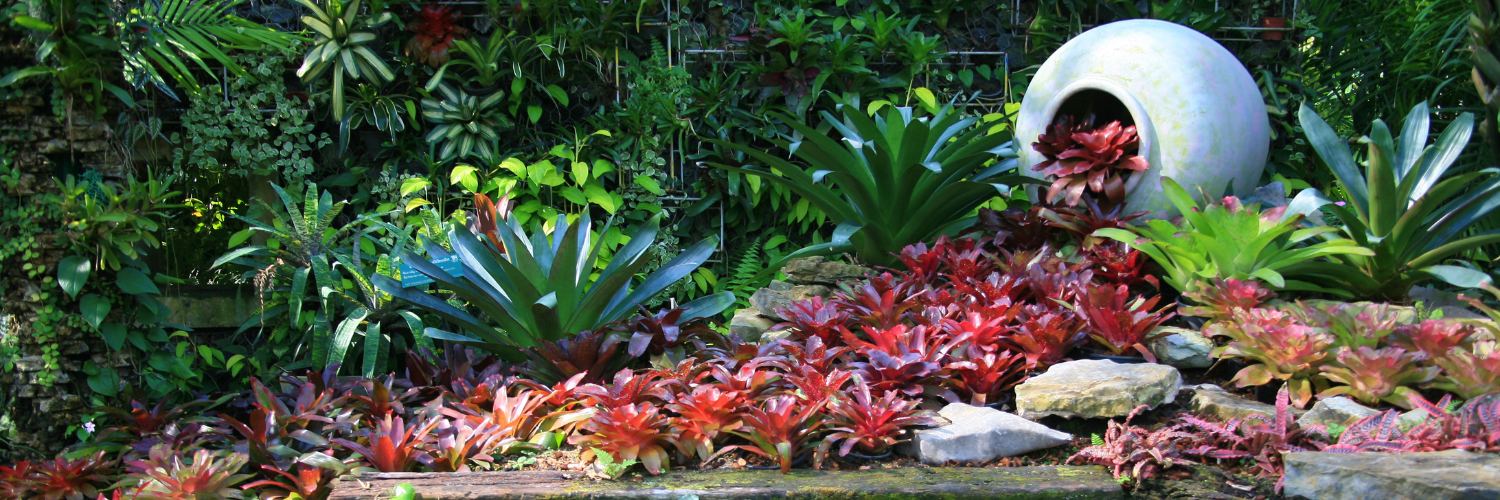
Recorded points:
1222,298
815,318
434,30
1045,336
1083,157
309,482
206,475
1281,347
705,413
1433,338
871,425
1470,372
780,428
1119,323
392,445
630,432
985,376
1375,375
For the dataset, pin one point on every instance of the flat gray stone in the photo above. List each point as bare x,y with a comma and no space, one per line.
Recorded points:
769,301
978,434
1213,401
1442,475
1096,389
1337,410
1182,348
749,325
820,270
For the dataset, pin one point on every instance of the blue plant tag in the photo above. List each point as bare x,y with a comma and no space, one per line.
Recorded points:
411,278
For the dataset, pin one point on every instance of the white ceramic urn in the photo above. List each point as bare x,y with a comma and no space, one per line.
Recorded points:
1199,114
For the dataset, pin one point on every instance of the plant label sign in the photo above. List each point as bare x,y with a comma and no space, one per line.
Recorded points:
411,278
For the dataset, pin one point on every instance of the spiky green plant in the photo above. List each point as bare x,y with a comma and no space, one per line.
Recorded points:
1404,208
889,178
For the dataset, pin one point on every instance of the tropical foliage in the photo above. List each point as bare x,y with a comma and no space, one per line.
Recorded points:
891,177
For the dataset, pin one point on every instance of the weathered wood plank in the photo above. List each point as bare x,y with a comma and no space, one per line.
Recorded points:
1082,482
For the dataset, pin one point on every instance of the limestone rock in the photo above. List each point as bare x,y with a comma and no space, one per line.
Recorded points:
769,301
749,325
820,270
1337,410
979,434
1213,401
1430,476
775,335
1096,389
1182,348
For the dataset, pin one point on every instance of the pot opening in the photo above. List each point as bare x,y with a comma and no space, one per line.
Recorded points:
1103,106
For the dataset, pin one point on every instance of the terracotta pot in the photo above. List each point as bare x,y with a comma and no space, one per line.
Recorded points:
1274,26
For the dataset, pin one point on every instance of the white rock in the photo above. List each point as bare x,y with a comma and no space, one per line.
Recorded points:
979,434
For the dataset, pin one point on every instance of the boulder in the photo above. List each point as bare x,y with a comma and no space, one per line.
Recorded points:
769,301
1337,410
1430,476
1096,389
978,434
749,325
1213,401
821,271
774,335
1181,348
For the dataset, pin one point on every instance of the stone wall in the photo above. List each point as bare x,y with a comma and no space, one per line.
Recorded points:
41,146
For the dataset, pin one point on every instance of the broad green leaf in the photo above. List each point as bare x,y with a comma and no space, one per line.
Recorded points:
114,335
926,97
73,272
93,308
416,203
414,184
650,184
580,172
465,175
133,282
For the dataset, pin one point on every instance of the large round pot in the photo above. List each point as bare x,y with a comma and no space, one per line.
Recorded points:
1199,114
